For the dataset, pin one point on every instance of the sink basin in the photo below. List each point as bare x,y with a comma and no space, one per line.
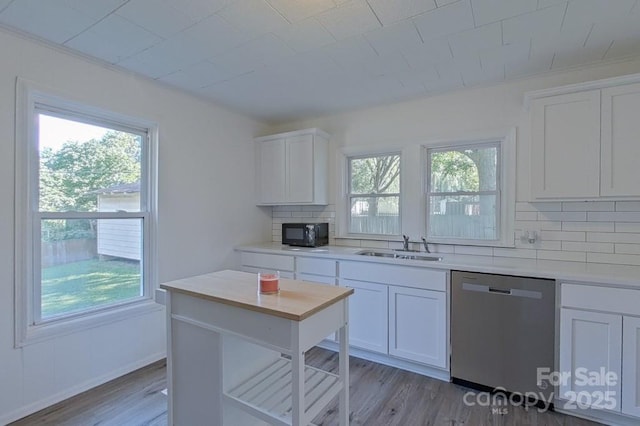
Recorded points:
399,255
376,253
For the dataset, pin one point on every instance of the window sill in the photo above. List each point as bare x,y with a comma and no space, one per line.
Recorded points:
42,332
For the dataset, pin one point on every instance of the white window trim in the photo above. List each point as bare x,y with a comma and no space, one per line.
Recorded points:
28,94
507,173
342,207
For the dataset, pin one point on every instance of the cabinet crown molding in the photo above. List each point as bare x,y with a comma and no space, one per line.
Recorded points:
580,87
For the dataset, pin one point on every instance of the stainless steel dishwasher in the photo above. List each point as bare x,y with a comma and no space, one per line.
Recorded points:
502,331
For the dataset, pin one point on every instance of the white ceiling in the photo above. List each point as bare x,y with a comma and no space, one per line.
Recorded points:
283,59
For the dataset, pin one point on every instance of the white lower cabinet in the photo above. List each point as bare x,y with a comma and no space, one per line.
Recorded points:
631,366
398,310
590,344
368,327
598,343
418,325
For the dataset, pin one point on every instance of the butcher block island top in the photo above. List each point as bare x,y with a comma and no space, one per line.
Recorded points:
296,300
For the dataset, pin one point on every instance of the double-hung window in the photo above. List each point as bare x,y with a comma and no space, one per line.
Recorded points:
468,198
374,194
85,190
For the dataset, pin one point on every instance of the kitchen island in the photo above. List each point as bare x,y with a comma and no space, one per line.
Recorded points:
235,356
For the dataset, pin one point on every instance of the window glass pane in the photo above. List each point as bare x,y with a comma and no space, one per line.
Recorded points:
87,168
87,263
464,170
375,215
467,217
375,175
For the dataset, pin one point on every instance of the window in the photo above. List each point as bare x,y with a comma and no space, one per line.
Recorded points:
374,194
85,189
464,194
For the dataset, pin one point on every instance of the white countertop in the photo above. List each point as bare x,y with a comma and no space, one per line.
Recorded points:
615,275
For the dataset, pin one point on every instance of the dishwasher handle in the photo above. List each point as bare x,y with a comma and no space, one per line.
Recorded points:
515,292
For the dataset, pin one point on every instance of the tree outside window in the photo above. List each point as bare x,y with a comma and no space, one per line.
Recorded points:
463,192
374,194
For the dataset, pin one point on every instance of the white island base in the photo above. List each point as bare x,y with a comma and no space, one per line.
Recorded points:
225,363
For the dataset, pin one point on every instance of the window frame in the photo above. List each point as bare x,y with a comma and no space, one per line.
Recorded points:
31,100
344,225
505,189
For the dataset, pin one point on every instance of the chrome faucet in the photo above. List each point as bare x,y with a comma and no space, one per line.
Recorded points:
405,244
426,245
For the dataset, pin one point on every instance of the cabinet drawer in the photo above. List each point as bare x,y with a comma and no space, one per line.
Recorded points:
268,261
407,276
316,278
253,270
307,265
619,300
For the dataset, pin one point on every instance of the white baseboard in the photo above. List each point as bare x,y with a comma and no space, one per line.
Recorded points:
75,390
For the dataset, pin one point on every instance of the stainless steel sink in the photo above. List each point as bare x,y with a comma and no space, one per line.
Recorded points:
399,255
376,253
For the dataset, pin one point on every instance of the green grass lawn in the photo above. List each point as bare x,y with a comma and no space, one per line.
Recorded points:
81,285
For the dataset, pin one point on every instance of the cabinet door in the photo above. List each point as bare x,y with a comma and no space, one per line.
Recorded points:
271,171
418,325
367,315
565,146
631,367
590,342
300,169
620,140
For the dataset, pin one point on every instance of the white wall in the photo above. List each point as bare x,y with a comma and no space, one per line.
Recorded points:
477,113
206,206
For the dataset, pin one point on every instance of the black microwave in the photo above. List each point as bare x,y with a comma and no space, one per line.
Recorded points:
305,234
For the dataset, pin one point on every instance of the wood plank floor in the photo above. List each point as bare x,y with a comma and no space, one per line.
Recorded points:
380,396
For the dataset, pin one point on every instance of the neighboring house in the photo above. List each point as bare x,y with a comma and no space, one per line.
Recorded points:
120,237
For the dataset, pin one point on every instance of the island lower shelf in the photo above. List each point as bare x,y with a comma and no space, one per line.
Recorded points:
267,395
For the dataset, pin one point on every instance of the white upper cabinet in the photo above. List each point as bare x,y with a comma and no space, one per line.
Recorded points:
292,168
565,139
620,141
585,140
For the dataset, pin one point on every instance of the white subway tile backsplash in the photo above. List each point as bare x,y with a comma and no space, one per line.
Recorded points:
588,226
570,256
562,236
614,216
627,248
442,248
563,216
611,237
328,215
478,251
628,206
526,216
591,231
374,244
345,242
588,206
538,207
301,214
627,227
519,253
539,244
538,225
279,214
313,208
587,247
618,259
